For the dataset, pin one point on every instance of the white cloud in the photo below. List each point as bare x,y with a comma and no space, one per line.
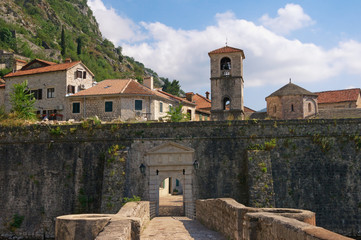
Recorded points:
113,26
289,18
271,59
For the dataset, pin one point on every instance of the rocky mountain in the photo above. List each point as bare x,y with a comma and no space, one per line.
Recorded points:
57,29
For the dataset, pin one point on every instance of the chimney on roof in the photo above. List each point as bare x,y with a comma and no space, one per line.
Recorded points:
207,95
189,96
148,82
68,60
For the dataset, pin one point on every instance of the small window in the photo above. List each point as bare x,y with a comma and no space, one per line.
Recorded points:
138,104
50,93
309,107
292,108
160,107
79,74
274,108
76,107
177,183
37,94
170,107
71,89
84,74
108,106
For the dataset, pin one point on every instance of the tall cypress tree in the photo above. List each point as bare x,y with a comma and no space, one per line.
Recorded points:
62,42
79,42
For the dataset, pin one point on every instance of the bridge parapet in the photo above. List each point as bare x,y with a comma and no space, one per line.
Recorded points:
238,222
125,225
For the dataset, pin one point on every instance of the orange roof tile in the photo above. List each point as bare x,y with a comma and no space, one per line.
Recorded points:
136,88
347,95
105,87
172,97
247,109
227,49
127,87
2,85
201,102
20,60
43,62
51,68
2,81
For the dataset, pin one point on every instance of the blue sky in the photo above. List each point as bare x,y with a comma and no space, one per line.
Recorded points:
317,43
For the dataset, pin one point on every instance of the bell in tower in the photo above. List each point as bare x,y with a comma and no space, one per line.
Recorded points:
227,83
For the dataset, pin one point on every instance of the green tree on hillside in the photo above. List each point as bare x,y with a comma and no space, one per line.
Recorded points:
62,42
171,87
79,42
22,101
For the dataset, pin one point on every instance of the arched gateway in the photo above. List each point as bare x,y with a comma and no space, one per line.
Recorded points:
175,161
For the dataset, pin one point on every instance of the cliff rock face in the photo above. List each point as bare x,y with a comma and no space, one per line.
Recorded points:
33,28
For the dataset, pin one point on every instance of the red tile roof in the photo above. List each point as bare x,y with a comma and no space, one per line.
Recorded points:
347,95
2,81
227,49
247,109
114,86
126,87
201,102
37,60
172,97
2,85
20,60
50,68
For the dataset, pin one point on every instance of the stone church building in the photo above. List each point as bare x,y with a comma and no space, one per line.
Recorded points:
291,102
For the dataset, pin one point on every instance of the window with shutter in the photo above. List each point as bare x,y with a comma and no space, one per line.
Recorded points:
138,105
108,106
76,107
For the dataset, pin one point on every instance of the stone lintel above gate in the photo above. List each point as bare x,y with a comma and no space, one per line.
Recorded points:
170,154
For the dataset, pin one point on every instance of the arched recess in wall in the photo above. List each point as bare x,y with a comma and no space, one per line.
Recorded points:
226,103
313,105
226,63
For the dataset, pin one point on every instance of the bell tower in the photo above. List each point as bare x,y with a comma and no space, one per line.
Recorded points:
227,83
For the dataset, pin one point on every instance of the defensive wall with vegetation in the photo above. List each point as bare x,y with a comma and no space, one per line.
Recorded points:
52,170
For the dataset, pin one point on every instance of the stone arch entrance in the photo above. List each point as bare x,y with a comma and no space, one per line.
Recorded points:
176,161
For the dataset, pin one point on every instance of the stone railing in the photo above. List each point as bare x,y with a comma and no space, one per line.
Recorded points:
236,221
125,225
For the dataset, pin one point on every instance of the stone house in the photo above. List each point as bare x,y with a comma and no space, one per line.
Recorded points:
347,98
125,99
50,84
291,102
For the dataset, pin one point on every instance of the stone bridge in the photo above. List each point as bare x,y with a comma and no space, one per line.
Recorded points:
227,218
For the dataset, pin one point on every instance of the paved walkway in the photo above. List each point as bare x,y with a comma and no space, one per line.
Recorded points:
177,228
171,205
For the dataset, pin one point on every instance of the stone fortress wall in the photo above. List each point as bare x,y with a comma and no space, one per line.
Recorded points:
49,171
